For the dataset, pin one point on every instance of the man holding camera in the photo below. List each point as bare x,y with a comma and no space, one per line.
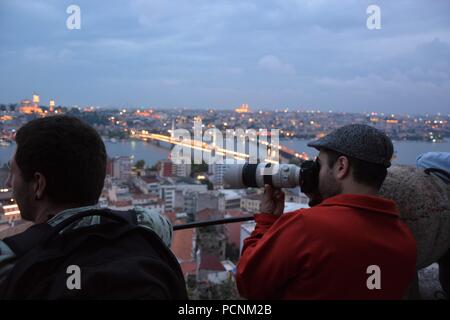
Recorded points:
350,245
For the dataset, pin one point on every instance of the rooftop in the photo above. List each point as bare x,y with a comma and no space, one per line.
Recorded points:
182,244
254,196
150,179
188,267
231,193
210,262
233,230
208,214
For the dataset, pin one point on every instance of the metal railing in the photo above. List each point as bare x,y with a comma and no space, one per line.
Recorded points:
212,222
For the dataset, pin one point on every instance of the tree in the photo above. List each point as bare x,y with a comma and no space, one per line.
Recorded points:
198,168
228,290
232,252
208,183
140,164
74,111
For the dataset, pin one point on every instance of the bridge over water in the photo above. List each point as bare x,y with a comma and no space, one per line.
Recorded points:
285,153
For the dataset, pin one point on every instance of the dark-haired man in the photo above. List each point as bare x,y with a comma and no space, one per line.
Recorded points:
57,175
350,245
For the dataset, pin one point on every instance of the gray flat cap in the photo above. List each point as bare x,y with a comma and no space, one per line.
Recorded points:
359,141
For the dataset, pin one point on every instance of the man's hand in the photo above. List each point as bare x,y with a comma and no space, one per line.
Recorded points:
272,201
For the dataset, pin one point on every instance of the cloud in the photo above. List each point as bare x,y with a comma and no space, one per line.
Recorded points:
220,53
273,64
397,92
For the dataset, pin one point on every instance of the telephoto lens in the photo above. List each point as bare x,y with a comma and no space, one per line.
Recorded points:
238,176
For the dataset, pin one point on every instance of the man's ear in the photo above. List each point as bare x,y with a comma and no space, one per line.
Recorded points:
342,167
40,183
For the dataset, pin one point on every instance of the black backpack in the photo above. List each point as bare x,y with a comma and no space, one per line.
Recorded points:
117,259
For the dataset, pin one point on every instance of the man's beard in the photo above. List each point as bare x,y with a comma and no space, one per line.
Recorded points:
329,187
25,207
25,212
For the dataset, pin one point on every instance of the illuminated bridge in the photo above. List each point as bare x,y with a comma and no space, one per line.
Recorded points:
284,152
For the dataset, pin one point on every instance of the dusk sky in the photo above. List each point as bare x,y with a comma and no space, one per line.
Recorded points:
219,54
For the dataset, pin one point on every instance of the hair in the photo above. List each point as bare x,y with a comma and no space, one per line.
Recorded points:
69,153
367,173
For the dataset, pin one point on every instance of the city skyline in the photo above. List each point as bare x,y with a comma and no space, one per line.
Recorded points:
220,54
50,104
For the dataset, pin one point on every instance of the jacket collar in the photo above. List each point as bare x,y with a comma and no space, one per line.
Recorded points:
61,216
365,202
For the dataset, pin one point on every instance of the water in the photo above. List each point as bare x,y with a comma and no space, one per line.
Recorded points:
150,153
406,151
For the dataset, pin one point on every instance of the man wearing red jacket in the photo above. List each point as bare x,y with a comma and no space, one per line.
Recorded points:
351,245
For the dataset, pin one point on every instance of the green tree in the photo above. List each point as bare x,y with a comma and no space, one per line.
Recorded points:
232,252
140,164
199,168
208,184
228,290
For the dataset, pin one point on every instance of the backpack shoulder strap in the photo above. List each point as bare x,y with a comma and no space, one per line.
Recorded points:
125,217
41,233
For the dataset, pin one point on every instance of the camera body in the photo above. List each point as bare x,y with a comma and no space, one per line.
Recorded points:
277,175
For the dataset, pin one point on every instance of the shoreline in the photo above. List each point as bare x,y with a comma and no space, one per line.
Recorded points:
406,151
